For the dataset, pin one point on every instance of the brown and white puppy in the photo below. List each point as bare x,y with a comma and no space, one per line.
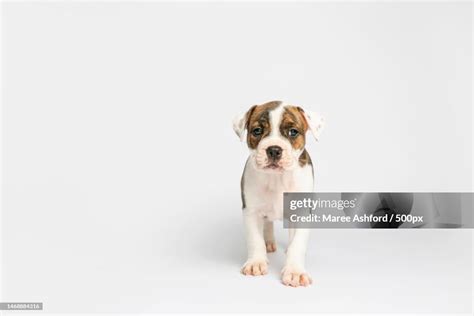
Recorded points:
278,163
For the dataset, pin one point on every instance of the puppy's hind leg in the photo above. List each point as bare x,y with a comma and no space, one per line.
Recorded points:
269,236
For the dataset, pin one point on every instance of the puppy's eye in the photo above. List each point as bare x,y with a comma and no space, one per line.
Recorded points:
293,132
257,131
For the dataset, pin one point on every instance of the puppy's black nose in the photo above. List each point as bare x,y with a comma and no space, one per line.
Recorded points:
274,152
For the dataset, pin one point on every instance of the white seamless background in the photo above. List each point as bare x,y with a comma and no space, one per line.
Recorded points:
121,170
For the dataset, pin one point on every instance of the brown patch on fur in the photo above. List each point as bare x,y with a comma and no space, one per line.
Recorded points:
305,159
259,117
242,181
248,115
292,118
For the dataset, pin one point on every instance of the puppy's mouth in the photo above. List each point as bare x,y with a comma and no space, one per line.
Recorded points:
273,166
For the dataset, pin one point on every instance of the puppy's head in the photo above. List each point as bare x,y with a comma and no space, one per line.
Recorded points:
276,134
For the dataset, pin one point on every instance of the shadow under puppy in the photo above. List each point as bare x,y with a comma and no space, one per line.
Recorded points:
278,163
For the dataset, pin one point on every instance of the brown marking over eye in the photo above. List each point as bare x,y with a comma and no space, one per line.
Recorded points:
292,118
260,118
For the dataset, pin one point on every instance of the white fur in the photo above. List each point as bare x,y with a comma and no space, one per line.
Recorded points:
263,191
239,125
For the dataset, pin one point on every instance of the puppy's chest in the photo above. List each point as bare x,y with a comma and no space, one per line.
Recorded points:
270,195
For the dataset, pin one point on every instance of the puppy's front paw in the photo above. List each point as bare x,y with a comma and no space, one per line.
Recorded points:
255,267
271,245
295,277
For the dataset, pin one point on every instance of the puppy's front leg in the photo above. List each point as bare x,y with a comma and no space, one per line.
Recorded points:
257,262
269,236
294,274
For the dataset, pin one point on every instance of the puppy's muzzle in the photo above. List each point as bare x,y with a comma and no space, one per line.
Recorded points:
274,153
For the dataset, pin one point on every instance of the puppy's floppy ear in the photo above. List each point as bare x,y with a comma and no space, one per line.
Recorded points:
241,121
314,120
